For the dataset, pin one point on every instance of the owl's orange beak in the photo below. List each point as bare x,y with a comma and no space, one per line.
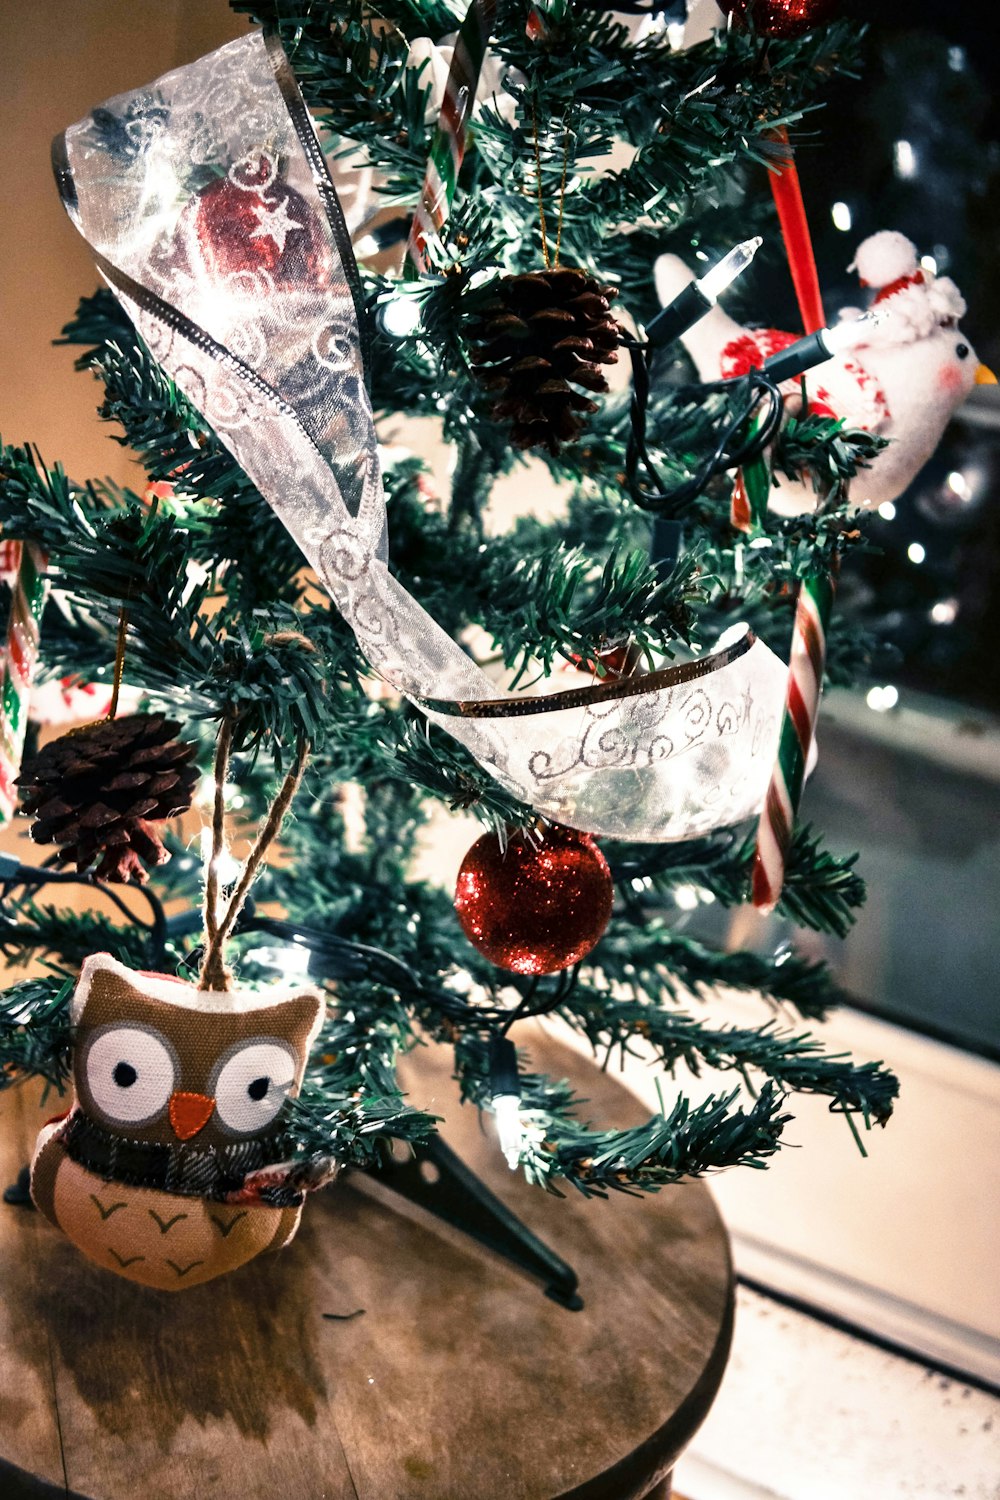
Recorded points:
189,1113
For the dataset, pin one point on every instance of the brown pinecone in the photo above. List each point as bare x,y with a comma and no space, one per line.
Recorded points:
98,790
538,334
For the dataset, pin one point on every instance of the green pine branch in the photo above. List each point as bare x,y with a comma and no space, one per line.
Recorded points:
35,1039
821,890
652,960
31,931
688,1141
793,1061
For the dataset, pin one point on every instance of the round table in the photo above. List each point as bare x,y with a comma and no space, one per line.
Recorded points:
455,1378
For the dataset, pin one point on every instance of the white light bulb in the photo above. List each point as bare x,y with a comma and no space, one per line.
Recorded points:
733,264
904,159
507,1109
290,961
944,612
227,869
230,869
887,510
399,317
916,553
851,331
205,792
686,897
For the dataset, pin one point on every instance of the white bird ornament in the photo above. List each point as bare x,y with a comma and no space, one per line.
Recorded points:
903,382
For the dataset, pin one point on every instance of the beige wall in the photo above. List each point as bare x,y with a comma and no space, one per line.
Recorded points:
59,57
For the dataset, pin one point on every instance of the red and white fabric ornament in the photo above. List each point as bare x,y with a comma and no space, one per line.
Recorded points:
914,368
70,700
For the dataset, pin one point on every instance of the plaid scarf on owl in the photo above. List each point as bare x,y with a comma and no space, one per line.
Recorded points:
252,1171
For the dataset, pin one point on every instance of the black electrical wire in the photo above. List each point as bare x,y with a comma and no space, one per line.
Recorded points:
34,878
342,958
525,1008
729,452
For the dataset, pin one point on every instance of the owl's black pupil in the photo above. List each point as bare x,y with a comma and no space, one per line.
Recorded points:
124,1075
258,1089
962,350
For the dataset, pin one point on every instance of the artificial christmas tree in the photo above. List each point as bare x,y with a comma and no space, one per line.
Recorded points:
248,358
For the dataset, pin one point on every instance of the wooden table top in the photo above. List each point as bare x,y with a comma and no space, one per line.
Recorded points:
459,1381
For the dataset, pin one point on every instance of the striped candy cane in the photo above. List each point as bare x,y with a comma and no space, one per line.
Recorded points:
787,193
805,682
812,611
751,491
753,482
18,657
451,136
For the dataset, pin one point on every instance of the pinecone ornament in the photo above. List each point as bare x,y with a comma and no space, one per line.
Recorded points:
97,792
541,334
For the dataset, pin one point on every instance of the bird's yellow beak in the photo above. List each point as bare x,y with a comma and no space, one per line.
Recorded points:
985,376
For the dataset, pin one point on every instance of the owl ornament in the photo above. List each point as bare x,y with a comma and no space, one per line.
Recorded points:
913,370
171,1167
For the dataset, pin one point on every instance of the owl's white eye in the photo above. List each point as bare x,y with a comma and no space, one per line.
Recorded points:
253,1083
130,1073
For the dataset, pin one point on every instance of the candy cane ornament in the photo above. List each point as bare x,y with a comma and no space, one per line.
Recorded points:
786,190
19,655
805,684
542,17
812,609
751,491
451,136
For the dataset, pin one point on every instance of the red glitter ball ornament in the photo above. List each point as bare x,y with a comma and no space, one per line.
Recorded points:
538,905
251,220
782,19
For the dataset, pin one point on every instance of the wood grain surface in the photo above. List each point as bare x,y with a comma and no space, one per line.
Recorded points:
458,1380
